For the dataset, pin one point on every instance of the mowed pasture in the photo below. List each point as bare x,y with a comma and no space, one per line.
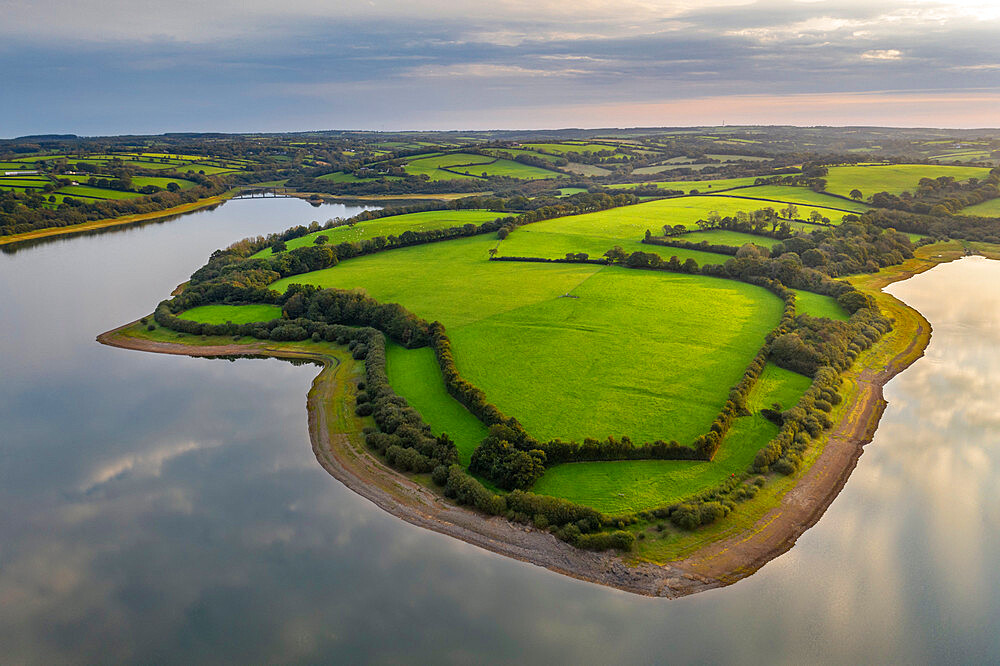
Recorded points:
893,178
153,162
781,195
204,169
726,237
23,182
636,485
433,166
85,191
665,168
161,182
393,225
469,165
618,225
546,243
415,375
451,281
563,148
499,152
970,155
990,208
688,186
818,305
616,352
646,354
37,158
237,314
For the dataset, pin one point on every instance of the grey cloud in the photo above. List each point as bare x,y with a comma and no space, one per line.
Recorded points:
398,64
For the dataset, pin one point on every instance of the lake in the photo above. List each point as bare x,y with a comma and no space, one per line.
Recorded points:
170,509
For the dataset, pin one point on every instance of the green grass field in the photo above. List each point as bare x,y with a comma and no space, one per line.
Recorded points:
87,192
130,161
38,158
894,179
415,375
237,314
200,168
801,196
637,353
23,182
95,192
818,305
161,182
647,354
579,350
725,237
686,186
738,158
341,177
451,281
519,151
989,208
617,225
970,155
586,169
393,225
665,169
528,241
636,485
433,167
563,148
514,169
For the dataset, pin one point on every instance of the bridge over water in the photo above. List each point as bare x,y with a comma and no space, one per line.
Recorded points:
252,192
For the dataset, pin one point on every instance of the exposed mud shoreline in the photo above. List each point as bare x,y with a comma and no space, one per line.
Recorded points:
716,564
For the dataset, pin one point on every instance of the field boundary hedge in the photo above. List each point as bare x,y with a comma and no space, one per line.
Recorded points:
781,201
509,457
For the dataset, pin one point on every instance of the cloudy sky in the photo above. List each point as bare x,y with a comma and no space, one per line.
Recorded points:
120,66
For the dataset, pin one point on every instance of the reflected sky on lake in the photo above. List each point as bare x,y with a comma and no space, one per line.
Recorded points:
160,508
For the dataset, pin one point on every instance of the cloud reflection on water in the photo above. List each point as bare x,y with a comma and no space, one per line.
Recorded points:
208,532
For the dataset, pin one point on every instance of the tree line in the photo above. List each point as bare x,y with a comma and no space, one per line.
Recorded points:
766,222
21,212
509,457
942,196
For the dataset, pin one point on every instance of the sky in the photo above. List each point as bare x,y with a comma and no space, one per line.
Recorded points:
133,66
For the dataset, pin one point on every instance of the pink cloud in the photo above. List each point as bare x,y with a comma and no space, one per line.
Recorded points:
962,109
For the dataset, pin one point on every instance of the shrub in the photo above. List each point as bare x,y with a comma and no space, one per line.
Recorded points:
440,475
617,540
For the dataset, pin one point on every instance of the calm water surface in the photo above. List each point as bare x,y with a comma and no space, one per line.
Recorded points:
168,509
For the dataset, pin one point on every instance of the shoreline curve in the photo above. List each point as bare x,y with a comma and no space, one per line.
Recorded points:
716,564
